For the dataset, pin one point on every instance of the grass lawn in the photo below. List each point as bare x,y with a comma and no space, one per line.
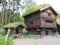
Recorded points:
31,37
27,36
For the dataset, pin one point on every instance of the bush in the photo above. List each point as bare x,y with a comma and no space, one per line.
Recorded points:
9,41
2,32
25,32
2,40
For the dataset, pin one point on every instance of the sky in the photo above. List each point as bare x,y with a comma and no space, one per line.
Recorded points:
54,3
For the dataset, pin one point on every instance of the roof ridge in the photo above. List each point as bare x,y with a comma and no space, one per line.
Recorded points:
45,7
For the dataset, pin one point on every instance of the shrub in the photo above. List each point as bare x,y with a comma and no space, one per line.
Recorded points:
2,31
2,40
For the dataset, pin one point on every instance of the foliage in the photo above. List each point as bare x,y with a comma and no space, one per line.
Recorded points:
10,17
26,4
58,18
2,40
9,41
2,32
34,8
25,32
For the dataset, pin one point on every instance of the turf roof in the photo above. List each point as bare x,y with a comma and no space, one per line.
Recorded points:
34,8
10,25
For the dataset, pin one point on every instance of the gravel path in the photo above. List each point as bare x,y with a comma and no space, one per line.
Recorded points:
46,40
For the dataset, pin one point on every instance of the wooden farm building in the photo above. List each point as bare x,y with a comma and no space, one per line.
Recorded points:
41,21
15,28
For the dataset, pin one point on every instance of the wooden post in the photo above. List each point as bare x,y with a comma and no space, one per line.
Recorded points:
50,32
7,36
56,32
43,32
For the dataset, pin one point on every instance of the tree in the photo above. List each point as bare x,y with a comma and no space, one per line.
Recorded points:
3,4
11,10
26,4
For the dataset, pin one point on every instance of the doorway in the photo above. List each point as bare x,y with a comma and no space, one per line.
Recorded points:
47,32
17,31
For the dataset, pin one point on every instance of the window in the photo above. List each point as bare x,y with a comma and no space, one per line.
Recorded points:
49,14
49,21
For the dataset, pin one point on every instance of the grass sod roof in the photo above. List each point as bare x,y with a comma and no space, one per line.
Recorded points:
10,25
34,8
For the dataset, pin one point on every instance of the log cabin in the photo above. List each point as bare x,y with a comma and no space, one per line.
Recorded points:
41,21
15,28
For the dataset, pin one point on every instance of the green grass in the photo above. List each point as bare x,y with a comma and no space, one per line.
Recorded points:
29,37
2,40
9,41
3,36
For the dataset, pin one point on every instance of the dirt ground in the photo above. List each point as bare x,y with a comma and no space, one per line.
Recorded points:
46,40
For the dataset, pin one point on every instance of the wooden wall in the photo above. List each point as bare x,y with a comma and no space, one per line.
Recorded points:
45,13
33,20
49,15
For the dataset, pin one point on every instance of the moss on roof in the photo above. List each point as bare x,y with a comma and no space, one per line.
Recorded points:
34,8
10,25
